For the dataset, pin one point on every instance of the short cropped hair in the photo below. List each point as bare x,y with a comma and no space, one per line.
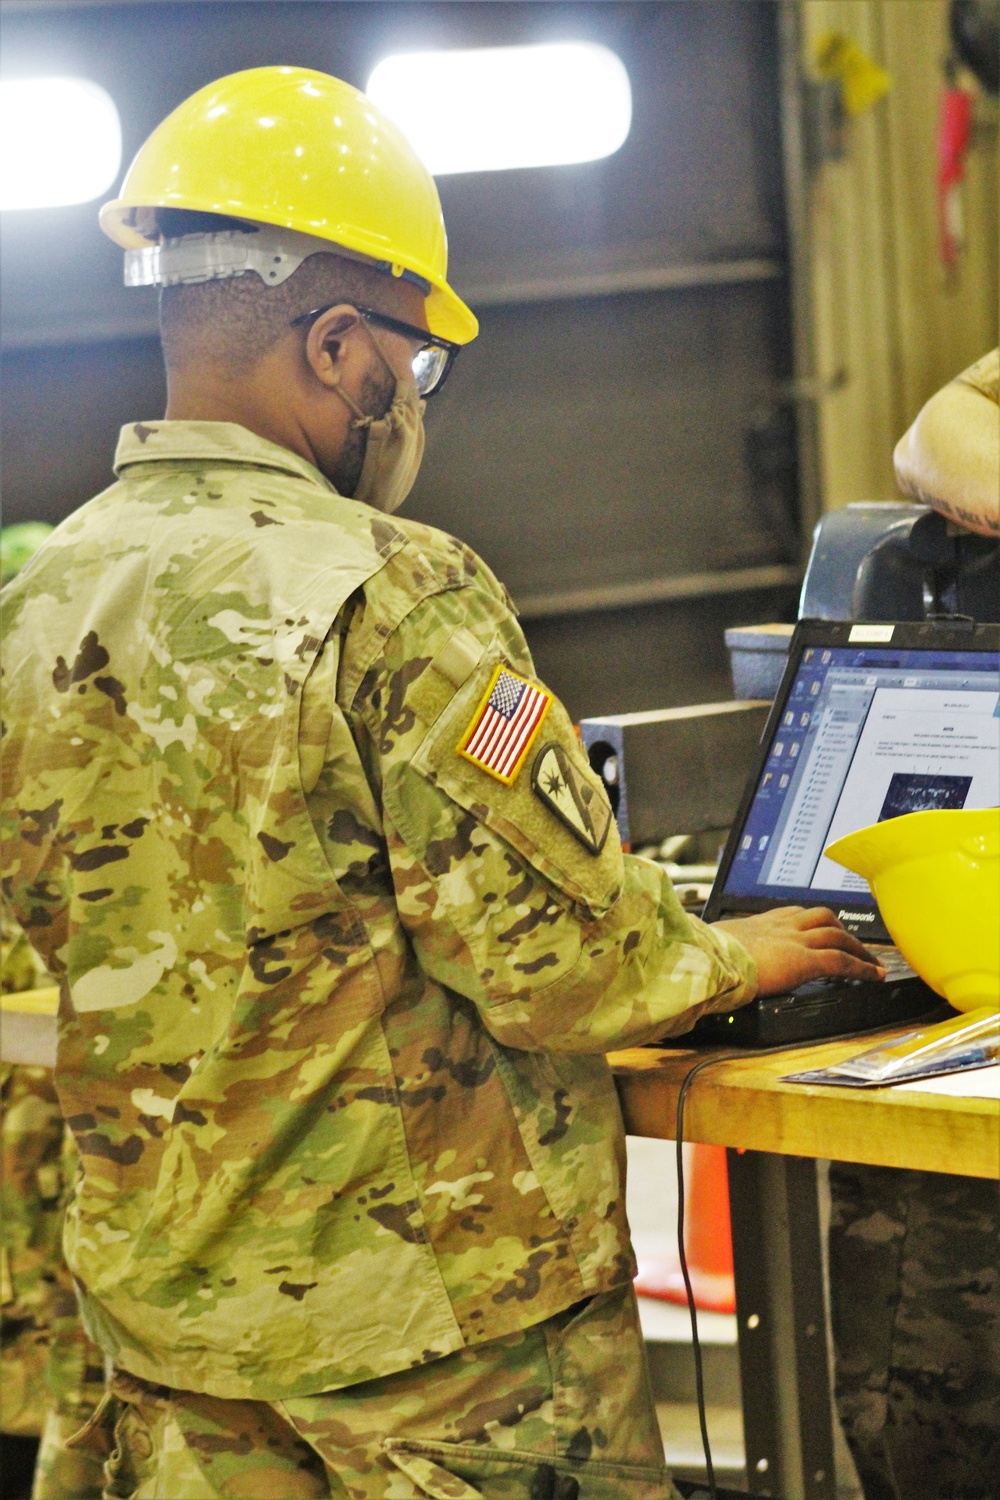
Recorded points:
237,319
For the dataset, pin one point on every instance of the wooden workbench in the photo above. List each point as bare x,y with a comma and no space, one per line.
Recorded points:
775,1133
744,1103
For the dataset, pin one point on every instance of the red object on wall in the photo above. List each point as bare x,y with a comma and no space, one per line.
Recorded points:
708,1240
954,130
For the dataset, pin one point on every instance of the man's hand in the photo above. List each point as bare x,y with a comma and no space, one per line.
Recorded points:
793,944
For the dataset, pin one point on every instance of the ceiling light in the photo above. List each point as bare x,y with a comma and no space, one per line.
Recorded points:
486,109
62,142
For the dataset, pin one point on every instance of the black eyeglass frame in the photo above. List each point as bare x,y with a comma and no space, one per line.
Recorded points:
394,325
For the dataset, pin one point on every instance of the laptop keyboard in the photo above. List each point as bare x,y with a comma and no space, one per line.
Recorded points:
892,961
823,1008
895,966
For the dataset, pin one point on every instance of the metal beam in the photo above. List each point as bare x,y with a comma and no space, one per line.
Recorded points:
616,282
555,288
70,332
658,590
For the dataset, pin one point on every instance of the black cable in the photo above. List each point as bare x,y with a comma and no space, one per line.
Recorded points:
689,1077
699,1377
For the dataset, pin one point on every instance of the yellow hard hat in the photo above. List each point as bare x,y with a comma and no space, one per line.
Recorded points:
305,152
936,878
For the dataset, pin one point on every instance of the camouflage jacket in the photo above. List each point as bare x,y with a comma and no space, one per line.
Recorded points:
335,999
31,1133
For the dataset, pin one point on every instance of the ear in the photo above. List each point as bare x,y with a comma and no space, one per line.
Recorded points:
326,346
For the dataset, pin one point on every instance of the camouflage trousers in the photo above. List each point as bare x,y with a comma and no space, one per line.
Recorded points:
51,1375
75,1377
915,1299
559,1410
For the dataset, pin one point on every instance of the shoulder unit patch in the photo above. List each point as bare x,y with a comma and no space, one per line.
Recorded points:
567,793
505,724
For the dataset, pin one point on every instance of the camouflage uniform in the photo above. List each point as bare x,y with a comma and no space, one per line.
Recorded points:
30,1132
31,1222
915,1289
336,999
51,1375
551,1412
984,376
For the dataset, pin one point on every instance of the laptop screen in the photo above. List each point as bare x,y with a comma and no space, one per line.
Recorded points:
866,733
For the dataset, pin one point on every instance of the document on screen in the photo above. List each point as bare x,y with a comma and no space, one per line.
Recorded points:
920,748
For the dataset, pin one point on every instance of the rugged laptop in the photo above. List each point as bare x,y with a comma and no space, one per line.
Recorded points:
871,721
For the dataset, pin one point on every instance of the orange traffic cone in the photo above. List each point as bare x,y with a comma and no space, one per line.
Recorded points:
708,1241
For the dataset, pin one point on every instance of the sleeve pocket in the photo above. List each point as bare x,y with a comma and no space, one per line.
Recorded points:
588,877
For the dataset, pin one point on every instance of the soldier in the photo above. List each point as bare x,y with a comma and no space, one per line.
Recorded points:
915,1284
950,456
30,1136
342,918
51,1375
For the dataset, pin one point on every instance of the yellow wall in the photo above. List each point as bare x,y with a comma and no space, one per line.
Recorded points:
884,312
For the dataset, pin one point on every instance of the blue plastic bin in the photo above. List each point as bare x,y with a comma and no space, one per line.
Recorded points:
757,654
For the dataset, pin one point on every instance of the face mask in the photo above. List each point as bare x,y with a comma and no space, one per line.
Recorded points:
395,445
395,449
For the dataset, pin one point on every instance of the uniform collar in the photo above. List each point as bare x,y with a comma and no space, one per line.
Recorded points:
208,442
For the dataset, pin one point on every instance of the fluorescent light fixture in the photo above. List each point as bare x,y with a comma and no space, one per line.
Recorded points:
61,142
486,109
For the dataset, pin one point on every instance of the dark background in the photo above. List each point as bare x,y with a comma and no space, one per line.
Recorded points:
585,443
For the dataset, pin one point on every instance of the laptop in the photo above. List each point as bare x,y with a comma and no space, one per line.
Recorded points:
870,721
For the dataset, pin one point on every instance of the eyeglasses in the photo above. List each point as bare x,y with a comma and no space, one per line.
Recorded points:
433,360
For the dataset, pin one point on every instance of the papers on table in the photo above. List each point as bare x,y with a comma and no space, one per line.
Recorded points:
965,1044
981,1083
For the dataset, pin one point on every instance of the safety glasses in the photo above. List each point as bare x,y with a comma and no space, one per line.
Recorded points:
433,360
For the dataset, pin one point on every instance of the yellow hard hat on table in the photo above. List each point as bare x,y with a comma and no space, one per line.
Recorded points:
936,878
306,153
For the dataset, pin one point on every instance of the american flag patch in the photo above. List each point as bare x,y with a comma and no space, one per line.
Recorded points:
504,725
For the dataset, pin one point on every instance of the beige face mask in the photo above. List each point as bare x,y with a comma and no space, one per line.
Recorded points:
395,446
